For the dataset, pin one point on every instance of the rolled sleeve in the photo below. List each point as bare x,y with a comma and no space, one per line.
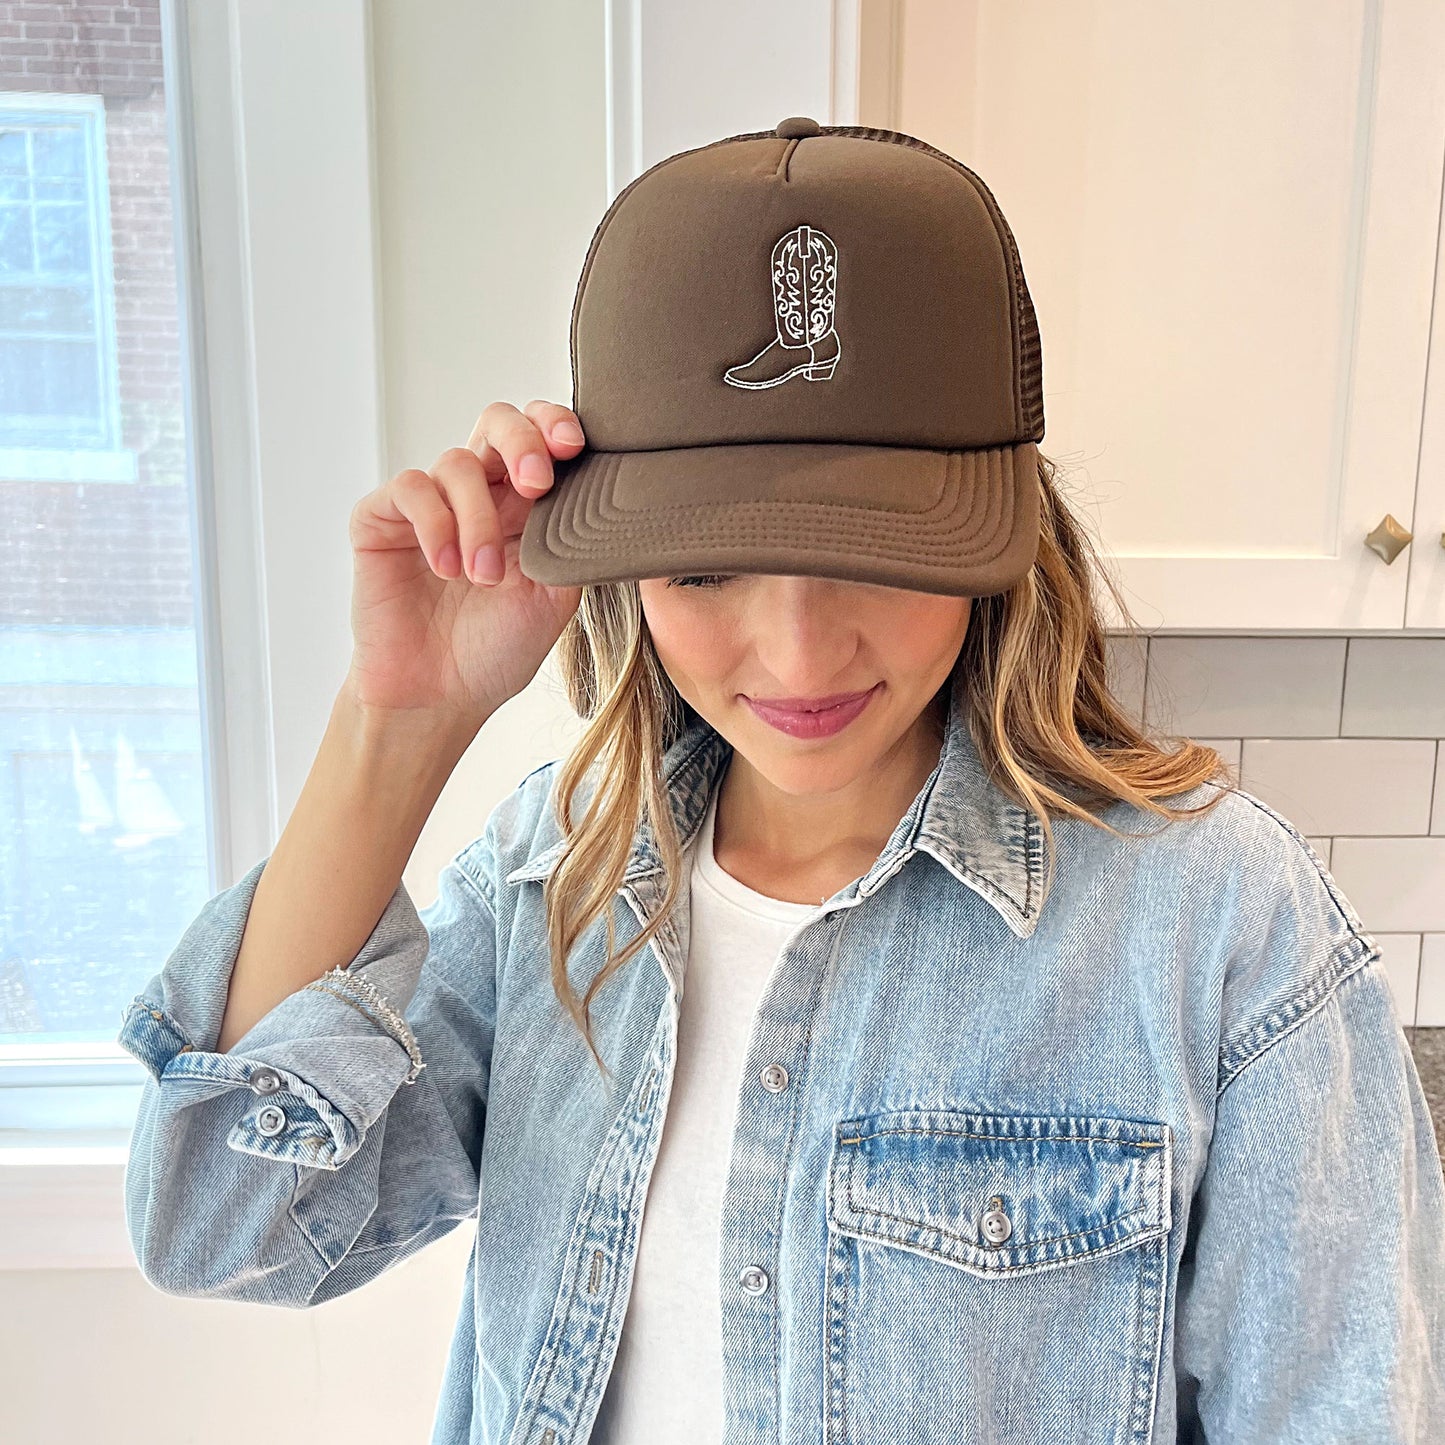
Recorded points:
1312,1281
342,1132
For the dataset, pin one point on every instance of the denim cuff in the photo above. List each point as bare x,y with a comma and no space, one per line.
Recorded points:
323,1063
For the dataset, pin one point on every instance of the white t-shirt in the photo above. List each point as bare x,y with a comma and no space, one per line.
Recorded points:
666,1384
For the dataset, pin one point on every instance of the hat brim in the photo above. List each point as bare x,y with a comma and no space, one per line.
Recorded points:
960,523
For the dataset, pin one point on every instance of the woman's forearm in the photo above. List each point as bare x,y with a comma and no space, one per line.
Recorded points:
372,786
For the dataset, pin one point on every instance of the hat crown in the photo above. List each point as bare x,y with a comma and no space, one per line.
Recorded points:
884,254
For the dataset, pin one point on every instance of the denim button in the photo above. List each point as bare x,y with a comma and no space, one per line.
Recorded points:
997,1226
265,1080
753,1279
775,1078
271,1120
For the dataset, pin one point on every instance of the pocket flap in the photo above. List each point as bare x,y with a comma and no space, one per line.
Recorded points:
1000,1192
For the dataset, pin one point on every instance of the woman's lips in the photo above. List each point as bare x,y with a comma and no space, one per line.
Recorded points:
800,723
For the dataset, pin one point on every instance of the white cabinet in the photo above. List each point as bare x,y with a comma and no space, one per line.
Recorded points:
1228,217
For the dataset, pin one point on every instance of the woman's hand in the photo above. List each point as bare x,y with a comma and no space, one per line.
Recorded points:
438,626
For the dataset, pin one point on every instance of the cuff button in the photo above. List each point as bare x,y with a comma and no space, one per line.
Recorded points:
271,1120
265,1080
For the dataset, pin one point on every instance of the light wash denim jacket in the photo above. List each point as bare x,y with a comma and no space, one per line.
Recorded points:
1149,1161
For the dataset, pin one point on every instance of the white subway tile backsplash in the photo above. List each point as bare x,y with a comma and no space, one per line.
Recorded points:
1394,687
1400,955
1438,825
1396,884
1127,658
1430,1010
1246,686
1344,785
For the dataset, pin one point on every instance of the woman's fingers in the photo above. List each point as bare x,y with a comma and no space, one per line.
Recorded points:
451,509
462,480
559,424
520,445
417,497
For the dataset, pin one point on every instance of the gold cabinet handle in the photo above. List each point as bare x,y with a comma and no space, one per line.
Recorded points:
1389,538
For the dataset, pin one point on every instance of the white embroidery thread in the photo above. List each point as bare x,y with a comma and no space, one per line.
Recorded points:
805,294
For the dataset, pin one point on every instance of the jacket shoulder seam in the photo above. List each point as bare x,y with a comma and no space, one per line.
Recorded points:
550,763
1348,959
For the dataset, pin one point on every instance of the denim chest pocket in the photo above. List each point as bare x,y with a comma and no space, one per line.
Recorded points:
995,1276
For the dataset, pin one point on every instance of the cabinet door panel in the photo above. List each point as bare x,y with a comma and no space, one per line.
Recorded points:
1228,218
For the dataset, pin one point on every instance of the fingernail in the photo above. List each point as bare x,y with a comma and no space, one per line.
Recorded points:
568,431
488,565
534,469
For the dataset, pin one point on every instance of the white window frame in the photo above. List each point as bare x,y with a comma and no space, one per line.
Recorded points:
276,261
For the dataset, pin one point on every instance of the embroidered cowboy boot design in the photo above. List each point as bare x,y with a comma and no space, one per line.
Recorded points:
805,292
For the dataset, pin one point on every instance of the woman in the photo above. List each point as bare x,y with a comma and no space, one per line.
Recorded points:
986,1070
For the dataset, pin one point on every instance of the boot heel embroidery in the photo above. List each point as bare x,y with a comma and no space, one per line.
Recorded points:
805,293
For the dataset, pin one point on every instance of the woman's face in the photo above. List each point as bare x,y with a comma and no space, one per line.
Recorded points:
727,638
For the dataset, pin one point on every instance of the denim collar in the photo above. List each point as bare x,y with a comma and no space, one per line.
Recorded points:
959,816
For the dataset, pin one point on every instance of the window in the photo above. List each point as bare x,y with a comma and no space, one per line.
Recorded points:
103,836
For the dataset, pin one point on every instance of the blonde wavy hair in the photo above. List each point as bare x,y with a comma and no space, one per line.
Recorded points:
1037,704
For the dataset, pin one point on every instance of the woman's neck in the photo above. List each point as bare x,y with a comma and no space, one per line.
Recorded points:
810,845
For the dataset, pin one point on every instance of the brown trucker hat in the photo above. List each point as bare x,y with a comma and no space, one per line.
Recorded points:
806,350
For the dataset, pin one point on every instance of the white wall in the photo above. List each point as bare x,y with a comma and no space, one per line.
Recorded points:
491,176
